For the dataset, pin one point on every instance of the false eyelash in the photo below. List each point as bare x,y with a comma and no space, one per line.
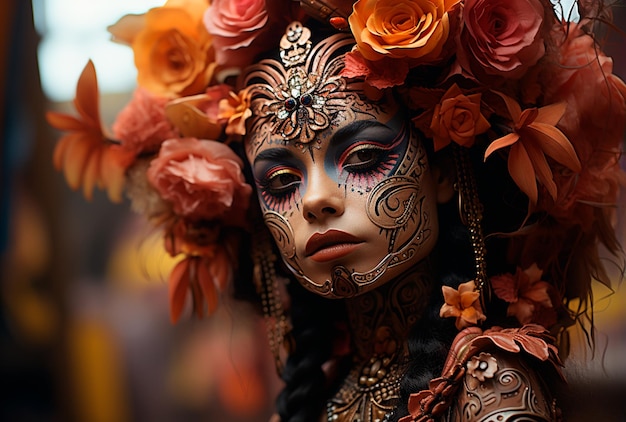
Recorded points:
277,201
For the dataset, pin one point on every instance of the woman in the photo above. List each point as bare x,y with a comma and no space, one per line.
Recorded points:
419,144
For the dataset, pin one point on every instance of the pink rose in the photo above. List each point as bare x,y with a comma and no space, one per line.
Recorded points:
501,37
201,179
235,24
141,126
380,74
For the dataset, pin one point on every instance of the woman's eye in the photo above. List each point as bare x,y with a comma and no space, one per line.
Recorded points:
363,159
282,182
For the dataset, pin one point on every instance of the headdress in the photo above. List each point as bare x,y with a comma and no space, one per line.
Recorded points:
510,82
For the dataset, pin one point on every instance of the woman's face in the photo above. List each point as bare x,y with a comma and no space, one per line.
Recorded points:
355,207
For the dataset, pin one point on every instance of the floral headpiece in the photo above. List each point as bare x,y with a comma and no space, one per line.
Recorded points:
509,79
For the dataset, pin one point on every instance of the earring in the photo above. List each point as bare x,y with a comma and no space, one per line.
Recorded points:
267,286
471,214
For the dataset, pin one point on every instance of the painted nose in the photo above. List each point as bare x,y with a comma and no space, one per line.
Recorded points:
323,197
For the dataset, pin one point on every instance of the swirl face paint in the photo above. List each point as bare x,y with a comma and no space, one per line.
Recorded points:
350,203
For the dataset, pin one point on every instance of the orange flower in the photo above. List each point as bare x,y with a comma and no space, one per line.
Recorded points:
85,154
457,118
462,304
172,49
204,276
528,296
197,116
416,29
235,108
535,135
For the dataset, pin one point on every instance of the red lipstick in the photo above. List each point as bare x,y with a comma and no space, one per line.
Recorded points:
331,245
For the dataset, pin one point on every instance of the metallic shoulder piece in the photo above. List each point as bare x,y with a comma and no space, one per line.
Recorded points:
503,386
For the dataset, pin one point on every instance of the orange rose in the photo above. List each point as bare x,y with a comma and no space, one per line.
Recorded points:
173,52
416,29
457,118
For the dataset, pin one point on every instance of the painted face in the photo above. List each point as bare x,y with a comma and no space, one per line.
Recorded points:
355,212
350,203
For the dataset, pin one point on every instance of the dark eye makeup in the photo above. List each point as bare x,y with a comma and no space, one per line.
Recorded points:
360,154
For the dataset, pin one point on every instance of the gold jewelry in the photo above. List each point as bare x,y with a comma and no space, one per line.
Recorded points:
471,213
266,282
297,97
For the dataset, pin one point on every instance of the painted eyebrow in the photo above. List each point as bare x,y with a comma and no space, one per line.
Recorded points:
349,131
273,154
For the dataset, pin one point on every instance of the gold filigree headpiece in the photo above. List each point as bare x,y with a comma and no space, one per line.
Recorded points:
298,96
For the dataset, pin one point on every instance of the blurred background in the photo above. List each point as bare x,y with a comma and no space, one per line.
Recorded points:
84,325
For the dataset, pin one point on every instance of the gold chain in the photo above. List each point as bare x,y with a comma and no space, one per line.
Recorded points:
266,282
471,213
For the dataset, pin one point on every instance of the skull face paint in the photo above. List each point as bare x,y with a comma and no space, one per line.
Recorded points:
351,205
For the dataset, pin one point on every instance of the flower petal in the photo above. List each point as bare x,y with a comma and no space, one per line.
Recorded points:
522,171
75,160
555,144
551,114
468,298
114,162
512,106
502,142
64,121
447,311
178,285
126,28
539,294
91,174
543,173
208,283
86,101
450,295
61,148
504,287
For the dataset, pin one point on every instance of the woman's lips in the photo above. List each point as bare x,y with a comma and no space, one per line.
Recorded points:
331,245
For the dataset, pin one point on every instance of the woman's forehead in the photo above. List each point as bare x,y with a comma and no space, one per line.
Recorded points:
343,122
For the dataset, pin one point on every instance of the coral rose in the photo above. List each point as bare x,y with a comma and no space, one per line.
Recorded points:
203,180
379,74
457,118
416,29
501,37
173,53
141,126
234,24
